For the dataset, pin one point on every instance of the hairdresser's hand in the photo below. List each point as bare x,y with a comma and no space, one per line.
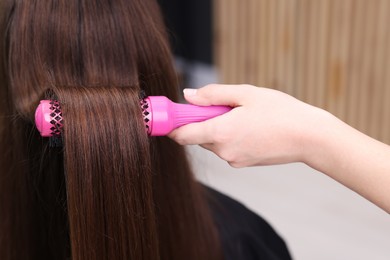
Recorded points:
265,127
270,127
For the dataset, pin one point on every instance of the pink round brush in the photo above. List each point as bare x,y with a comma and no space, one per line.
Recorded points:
160,115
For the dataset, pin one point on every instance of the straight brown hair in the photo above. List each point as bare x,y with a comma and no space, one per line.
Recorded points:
111,192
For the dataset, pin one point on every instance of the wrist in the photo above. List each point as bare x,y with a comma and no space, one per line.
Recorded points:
323,130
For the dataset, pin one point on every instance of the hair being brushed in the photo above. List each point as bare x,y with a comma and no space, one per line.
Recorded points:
110,192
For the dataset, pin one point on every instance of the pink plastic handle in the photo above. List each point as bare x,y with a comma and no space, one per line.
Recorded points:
167,115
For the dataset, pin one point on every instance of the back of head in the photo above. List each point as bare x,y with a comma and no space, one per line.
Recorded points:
111,192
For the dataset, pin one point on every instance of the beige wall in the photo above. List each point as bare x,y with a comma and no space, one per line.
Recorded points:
330,53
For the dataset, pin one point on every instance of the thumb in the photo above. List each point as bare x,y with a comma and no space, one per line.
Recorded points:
218,94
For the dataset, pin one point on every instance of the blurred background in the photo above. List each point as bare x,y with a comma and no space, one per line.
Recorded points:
334,54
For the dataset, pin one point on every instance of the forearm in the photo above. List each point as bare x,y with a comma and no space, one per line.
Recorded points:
359,162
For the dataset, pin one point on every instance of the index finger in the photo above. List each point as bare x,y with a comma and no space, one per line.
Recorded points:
218,94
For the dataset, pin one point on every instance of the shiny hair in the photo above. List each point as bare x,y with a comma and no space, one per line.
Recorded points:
111,191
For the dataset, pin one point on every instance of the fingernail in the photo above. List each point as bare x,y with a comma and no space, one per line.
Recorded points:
190,91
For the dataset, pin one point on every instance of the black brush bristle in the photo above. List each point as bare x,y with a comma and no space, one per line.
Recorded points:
142,94
55,141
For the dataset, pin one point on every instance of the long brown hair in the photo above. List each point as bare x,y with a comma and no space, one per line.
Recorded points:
110,192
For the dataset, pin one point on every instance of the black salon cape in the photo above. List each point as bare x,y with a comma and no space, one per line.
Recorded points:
244,235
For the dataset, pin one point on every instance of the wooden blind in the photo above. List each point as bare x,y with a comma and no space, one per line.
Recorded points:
334,54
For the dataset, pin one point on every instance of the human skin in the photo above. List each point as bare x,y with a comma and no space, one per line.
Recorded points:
268,127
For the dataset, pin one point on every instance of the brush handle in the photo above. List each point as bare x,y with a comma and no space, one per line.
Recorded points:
166,115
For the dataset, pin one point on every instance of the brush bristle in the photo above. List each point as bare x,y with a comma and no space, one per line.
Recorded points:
57,123
145,107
